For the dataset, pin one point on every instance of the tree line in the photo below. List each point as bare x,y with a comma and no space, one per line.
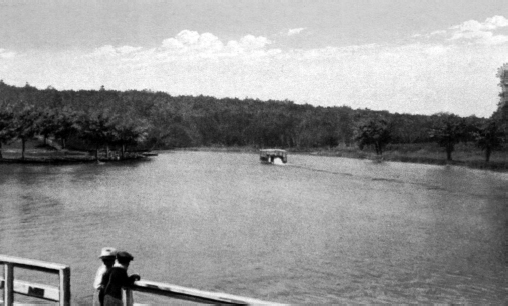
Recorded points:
447,130
157,120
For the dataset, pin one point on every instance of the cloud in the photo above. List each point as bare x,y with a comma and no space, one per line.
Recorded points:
248,43
434,50
292,32
190,40
127,49
109,50
496,22
480,32
471,32
439,32
420,77
491,23
4,54
191,45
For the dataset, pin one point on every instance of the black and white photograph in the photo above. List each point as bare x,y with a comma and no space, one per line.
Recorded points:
253,152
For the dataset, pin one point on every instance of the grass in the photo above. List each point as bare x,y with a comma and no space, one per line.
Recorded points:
428,153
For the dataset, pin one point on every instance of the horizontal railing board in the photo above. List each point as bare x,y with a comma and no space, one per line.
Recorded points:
32,264
35,268
185,293
45,292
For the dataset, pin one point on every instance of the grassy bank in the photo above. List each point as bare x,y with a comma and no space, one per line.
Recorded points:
466,155
38,153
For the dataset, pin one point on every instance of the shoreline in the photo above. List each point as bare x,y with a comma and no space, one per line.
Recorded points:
391,156
52,158
41,156
65,161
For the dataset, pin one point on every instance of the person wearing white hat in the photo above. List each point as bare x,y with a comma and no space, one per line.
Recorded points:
108,255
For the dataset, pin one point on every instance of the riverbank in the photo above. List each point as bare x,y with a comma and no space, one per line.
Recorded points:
465,155
39,153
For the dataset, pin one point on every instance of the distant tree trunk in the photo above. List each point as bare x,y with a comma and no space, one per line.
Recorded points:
449,153
488,151
123,151
23,140
97,152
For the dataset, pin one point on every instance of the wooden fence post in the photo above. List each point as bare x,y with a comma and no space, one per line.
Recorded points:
65,286
9,284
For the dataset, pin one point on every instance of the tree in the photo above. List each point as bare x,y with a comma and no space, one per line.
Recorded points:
374,132
501,114
6,131
345,125
489,137
97,129
47,123
447,132
26,126
67,125
129,133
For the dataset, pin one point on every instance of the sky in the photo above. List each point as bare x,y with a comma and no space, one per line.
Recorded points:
405,56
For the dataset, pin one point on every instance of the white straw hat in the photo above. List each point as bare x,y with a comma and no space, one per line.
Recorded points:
107,251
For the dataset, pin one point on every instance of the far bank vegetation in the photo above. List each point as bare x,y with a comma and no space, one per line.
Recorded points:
95,120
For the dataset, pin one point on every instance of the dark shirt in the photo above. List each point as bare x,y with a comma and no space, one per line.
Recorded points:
115,279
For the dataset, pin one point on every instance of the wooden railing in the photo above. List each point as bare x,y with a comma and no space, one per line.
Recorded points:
61,294
189,294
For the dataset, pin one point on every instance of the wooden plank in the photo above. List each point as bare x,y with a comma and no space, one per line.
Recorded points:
41,291
196,295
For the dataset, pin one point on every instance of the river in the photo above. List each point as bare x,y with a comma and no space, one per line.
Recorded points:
316,230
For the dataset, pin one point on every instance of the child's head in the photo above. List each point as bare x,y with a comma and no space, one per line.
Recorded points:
124,258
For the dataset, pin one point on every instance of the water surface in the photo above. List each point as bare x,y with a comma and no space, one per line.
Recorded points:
316,230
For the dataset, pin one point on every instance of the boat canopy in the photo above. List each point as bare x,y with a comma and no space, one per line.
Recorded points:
274,151
268,155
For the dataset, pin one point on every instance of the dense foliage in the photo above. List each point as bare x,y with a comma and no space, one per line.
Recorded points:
375,132
489,137
447,132
102,118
